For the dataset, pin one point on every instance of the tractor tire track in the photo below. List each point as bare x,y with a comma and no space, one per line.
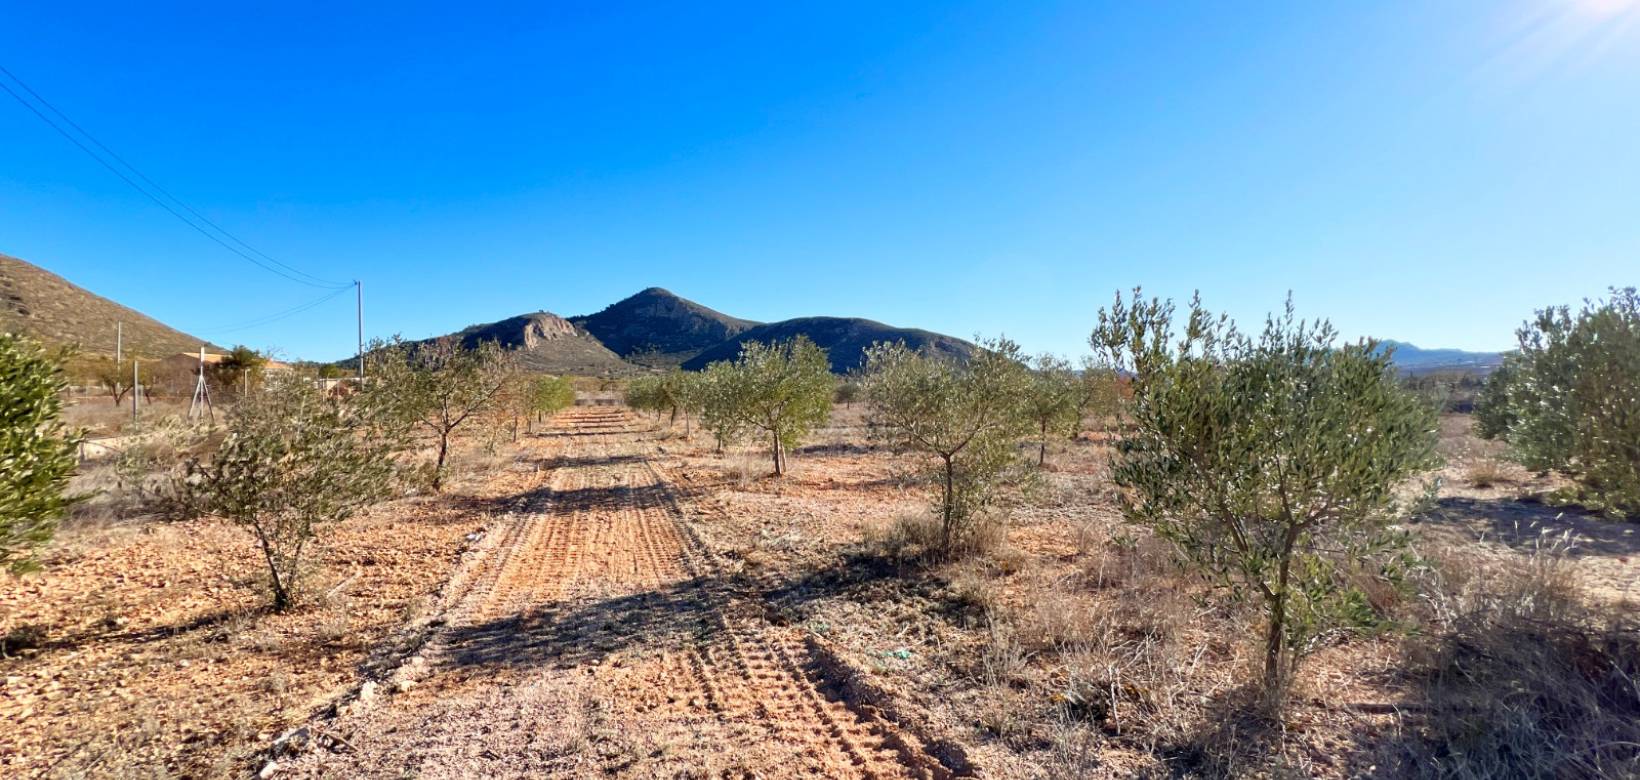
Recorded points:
600,606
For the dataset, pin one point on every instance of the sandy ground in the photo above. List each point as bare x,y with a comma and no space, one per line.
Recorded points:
618,600
601,637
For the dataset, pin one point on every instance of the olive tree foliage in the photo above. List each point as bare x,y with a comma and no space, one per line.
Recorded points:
674,393
525,399
1270,461
1099,393
1493,414
782,390
968,416
848,391
1569,399
550,395
36,450
1052,400
715,393
643,394
440,386
294,461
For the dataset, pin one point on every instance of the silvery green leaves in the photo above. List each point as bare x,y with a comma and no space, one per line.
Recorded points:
967,418
1270,461
293,461
1569,399
36,450
783,391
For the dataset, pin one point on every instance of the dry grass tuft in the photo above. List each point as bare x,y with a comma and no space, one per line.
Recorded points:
919,537
1526,679
1487,473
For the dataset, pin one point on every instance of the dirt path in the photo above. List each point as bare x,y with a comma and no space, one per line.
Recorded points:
598,637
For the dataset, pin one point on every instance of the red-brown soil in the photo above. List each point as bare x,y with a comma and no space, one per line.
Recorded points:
618,600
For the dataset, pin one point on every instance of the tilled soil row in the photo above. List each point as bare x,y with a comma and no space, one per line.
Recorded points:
603,638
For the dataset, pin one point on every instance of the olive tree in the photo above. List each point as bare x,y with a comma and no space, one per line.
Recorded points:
294,461
643,394
673,393
968,415
550,395
784,390
848,391
1098,393
1569,399
1051,400
716,394
440,386
36,450
1269,461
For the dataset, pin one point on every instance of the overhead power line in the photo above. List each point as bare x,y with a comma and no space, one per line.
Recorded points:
248,253
272,318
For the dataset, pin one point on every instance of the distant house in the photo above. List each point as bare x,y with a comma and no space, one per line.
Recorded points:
189,362
176,375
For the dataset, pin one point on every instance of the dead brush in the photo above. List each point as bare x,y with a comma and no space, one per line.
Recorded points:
1487,473
1004,707
1127,557
1521,676
919,537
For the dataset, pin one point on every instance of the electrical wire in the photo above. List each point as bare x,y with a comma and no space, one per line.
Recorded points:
276,267
271,318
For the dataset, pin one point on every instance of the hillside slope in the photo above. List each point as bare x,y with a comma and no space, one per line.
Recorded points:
845,339
46,306
546,342
658,328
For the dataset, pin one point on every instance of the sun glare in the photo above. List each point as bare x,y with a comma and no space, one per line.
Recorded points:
1604,7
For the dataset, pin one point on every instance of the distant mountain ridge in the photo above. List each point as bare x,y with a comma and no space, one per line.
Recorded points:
47,307
547,342
653,328
844,338
657,328
1415,360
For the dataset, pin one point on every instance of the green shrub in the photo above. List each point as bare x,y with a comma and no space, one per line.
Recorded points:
1270,462
293,462
36,450
1569,400
439,386
969,417
1053,400
784,390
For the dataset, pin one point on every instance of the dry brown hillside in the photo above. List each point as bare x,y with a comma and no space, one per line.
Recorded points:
50,308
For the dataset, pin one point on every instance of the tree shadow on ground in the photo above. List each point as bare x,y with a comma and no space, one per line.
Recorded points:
609,496
1524,525
590,461
107,635
836,448
687,613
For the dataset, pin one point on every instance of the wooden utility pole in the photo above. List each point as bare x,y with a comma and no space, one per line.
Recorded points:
358,287
119,356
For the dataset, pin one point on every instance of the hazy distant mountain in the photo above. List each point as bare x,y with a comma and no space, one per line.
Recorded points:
46,306
658,328
1414,360
845,338
547,342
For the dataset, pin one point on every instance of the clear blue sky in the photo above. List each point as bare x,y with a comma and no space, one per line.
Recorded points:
1426,171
